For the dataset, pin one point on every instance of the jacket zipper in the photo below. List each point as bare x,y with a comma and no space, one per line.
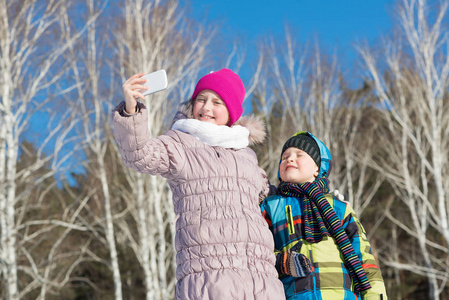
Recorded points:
290,225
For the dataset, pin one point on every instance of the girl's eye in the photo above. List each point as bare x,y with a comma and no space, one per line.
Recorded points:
218,102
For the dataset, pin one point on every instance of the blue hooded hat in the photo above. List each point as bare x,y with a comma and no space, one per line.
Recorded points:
308,143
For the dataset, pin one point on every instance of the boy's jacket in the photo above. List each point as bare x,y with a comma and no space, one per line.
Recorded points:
330,278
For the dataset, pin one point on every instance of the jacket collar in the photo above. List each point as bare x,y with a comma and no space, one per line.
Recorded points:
236,137
254,124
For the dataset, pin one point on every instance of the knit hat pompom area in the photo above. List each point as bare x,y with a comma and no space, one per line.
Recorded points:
228,86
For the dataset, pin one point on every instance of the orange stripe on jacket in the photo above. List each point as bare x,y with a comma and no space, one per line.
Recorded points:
366,266
297,221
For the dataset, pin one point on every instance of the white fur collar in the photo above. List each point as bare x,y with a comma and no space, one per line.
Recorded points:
236,137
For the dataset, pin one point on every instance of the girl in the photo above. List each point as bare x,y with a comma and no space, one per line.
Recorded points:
224,247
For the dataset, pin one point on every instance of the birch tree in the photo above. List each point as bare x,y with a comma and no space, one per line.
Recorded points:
156,35
305,91
32,40
23,26
413,96
92,102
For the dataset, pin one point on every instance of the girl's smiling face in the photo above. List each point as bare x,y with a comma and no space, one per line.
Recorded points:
208,107
297,166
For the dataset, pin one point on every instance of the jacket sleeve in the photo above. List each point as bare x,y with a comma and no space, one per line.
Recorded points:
268,189
155,156
266,214
265,209
362,248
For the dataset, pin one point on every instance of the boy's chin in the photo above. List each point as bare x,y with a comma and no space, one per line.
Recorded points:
291,180
295,180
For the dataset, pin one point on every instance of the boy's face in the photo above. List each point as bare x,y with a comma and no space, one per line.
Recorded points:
297,166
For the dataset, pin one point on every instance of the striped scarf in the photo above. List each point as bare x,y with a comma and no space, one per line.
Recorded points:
320,219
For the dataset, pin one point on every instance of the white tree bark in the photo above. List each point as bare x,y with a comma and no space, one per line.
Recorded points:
414,99
20,34
33,37
303,91
90,103
154,37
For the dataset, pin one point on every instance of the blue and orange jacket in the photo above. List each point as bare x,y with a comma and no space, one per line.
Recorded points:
329,279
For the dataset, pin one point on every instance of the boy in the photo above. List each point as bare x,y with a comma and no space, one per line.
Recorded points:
322,249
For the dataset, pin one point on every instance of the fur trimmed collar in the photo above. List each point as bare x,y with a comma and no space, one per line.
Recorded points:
235,137
255,125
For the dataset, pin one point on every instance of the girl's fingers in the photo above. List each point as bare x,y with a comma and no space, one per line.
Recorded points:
135,77
137,83
134,81
138,95
139,79
134,87
138,87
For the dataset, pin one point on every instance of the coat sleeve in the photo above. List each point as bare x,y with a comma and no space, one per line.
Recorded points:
362,248
156,156
265,209
268,189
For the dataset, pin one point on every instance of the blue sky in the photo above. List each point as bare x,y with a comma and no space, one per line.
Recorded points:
339,23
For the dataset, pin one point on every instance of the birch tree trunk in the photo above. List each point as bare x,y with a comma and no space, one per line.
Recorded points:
413,96
93,104
301,89
34,36
154,36
20,35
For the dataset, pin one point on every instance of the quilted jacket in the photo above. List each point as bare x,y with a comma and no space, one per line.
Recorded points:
330,279
224,247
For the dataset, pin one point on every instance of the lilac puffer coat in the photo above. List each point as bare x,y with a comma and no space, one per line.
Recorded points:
224,247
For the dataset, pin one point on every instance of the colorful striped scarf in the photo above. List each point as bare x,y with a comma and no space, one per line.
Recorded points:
320,219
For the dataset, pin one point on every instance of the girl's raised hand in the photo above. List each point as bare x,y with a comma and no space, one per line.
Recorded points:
131,91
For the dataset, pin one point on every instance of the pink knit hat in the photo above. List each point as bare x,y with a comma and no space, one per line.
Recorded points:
228,86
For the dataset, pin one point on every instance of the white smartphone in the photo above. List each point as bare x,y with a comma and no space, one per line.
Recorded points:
156,81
